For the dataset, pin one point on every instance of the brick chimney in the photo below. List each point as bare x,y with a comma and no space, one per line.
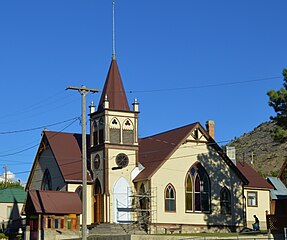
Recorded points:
210,128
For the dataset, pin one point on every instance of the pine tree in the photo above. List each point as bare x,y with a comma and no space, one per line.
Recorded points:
278,100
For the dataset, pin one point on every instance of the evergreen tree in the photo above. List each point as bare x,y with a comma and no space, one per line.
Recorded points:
278,100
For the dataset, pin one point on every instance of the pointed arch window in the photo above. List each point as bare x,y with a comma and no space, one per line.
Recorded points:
46,181
79,191
128,132
170,198
225,201
115,131
197,189
99,131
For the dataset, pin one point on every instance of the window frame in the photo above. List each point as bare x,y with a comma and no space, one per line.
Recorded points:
225,204
168,207
256,199
198,173
46,181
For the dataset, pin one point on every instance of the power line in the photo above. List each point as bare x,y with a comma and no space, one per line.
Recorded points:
37,128
33,146
203,86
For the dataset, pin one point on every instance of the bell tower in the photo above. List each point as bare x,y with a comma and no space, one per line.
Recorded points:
114,146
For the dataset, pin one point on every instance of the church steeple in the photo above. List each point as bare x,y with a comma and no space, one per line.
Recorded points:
113,33
114,90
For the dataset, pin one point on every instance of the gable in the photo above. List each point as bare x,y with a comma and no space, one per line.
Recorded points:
155,150
197,135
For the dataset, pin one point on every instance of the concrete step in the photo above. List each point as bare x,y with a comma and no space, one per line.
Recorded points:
115,229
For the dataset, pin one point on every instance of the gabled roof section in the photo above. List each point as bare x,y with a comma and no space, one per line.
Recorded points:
11,195
255,180
67,150
155,150
53,202
114,90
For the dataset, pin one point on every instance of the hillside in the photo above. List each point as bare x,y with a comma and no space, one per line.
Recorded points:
268,155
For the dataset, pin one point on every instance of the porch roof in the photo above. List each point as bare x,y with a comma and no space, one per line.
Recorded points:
53,202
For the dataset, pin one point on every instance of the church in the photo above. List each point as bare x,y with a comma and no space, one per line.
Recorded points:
179,179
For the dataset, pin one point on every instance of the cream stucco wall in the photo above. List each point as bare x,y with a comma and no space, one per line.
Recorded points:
90,201
4,210
45,161
174,171
115,175
263,205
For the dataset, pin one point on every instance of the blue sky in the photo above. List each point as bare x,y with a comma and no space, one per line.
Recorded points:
185,61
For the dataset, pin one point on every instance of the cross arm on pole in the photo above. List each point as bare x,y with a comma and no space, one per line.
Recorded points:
83,89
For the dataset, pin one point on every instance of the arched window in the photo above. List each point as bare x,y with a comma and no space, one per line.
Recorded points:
188,192
79,191
143,197
225,201
197,189
128,132
169,198
99,131
46,181
115,131
97,188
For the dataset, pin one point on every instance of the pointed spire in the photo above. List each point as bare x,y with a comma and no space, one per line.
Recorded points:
113,33
114,90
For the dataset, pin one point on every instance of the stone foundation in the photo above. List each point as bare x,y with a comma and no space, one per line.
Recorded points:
185,228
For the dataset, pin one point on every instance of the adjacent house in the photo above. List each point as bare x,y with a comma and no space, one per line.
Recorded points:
276,220
256,195
11,203
52,214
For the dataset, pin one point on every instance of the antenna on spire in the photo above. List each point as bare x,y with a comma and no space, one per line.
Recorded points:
114,41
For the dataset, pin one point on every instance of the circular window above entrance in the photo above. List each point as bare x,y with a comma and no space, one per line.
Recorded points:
122,160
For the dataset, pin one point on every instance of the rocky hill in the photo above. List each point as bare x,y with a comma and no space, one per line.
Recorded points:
259,148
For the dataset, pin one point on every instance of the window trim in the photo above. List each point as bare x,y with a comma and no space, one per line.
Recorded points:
256,199
9,211
225,204
198,170
46,180
169,186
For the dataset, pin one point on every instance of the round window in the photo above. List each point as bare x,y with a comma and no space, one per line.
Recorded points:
122,160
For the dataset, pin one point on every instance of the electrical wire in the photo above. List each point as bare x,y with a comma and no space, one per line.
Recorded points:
37,128
203,86
33,146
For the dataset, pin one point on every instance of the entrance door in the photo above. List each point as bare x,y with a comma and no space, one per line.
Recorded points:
122,201
34,228
97,208
98,200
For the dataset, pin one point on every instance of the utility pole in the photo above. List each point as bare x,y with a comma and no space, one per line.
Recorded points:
6,175
84,91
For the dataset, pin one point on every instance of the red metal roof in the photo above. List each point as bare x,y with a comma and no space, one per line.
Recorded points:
66,148
154,150
53,202
255,180
114,90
